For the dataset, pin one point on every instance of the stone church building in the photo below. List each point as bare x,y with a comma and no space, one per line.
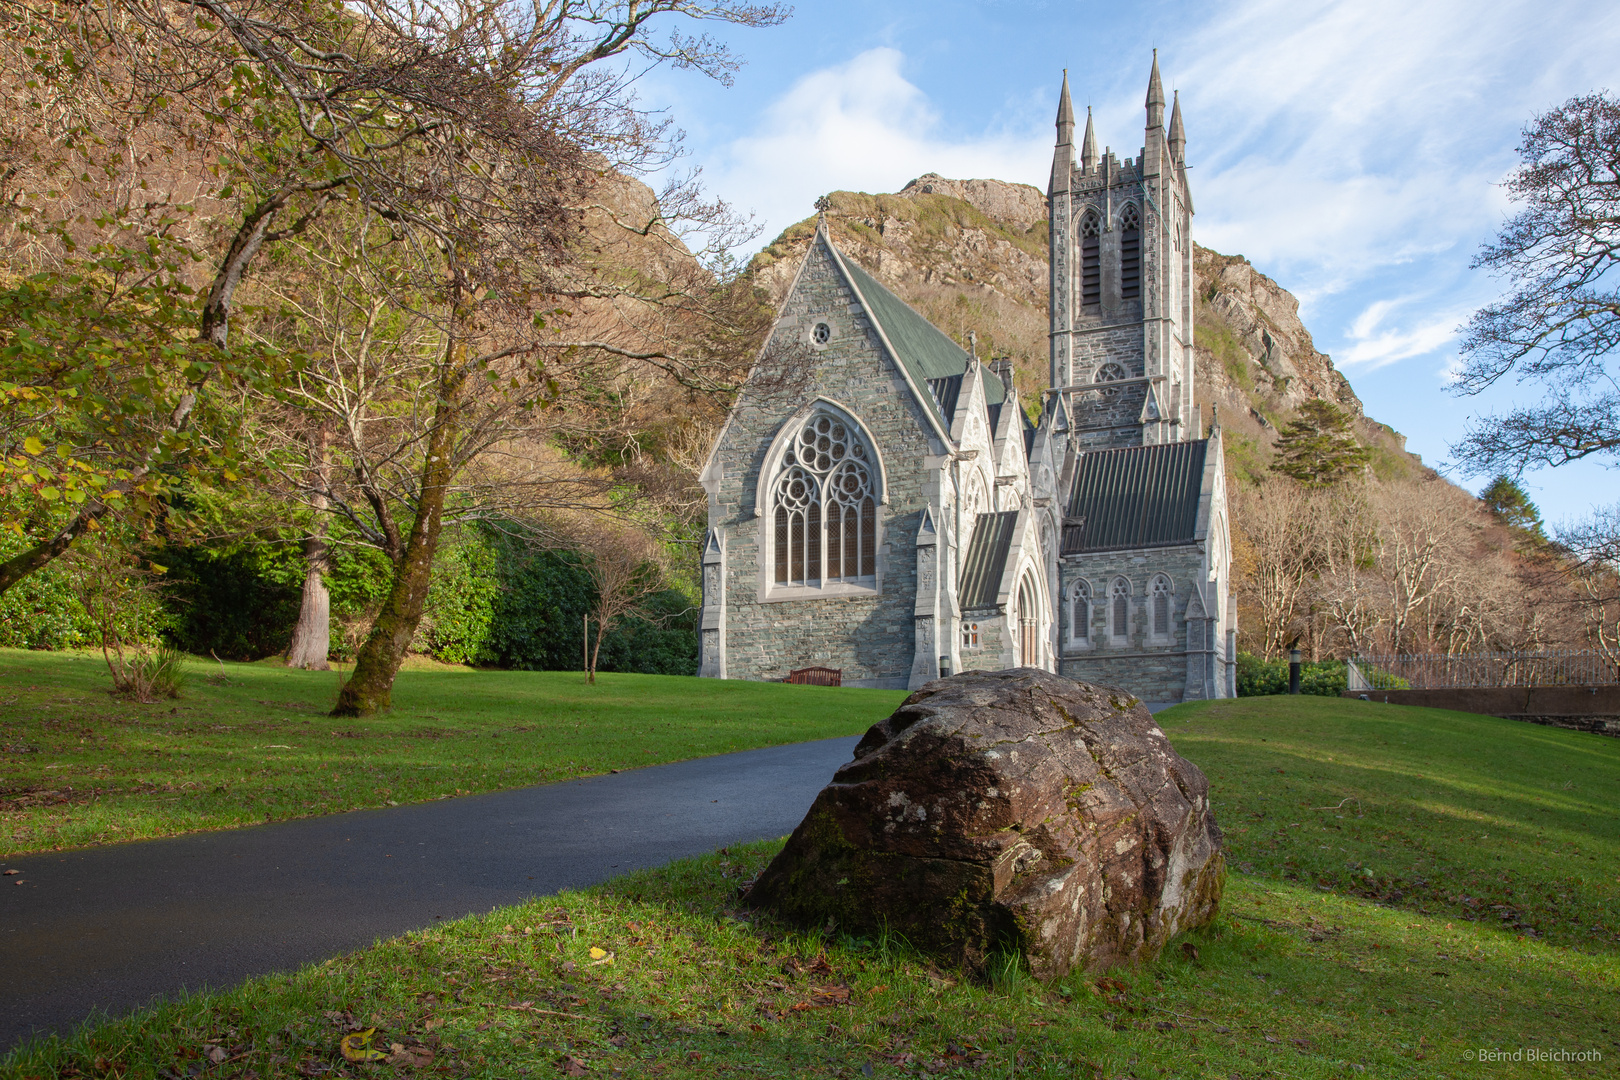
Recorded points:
884,503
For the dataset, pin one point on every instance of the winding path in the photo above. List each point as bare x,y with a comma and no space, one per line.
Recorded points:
113,928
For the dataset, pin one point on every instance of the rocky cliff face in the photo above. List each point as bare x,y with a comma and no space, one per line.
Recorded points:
971,255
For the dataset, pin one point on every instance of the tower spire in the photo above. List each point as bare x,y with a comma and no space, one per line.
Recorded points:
1065,116
1178,134
1088,148
1155,96
1063,156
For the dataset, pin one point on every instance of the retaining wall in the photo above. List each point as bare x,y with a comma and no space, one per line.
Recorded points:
1577,708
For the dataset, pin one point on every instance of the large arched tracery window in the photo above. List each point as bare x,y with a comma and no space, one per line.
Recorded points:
824,512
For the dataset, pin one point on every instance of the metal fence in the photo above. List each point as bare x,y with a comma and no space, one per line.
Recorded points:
1441,672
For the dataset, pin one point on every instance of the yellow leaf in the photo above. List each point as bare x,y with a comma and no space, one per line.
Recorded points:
33,445
355,1046
597,954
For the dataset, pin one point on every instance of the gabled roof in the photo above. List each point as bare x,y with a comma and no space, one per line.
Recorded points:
1136,496
946,391
986,559
926,351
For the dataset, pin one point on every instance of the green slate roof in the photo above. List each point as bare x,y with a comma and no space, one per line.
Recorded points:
1135,497
986,559
924,350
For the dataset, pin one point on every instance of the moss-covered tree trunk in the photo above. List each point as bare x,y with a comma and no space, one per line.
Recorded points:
369,690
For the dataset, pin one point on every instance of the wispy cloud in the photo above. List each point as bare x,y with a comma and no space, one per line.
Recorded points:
1373,345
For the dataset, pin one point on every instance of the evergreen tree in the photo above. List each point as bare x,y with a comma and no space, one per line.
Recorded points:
1510,504
1317,447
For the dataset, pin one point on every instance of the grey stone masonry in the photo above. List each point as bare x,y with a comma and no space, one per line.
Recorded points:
843,496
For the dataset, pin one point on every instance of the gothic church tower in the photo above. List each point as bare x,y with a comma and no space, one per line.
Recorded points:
1121,289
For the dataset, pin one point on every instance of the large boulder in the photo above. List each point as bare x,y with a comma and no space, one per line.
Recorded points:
1011,810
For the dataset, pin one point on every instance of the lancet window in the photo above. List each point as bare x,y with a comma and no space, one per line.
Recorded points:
1029,634
1159,592
1090,259
1119,614
1080,613
825,513
1130,252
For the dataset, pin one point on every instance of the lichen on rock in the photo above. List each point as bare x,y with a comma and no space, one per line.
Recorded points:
1012,810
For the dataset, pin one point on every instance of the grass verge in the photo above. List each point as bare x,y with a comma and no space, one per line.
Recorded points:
1304,974
249,743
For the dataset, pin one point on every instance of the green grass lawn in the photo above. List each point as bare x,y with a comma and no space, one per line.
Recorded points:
248,743
1487,923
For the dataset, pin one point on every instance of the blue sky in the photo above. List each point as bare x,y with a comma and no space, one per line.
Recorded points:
1353,151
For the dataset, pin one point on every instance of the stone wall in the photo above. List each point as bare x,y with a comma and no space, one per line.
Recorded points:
1153,672
1575,708
870,637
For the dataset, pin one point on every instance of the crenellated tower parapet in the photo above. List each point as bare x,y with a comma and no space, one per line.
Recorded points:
1121,281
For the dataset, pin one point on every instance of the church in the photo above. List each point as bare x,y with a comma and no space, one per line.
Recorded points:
884,503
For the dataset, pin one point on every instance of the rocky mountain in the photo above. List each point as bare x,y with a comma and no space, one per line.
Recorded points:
971,255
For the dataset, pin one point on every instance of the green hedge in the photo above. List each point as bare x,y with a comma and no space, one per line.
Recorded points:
495,600
1257,677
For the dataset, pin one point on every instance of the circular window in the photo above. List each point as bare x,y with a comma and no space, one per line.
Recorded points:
1110,373
821,334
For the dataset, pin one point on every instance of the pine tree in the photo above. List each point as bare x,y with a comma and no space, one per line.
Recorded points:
1510,504
1317,447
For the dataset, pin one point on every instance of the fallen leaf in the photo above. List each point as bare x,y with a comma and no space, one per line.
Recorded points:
216,1054
9,873
1190,950
597,953
356,1046
414,1056
572,1066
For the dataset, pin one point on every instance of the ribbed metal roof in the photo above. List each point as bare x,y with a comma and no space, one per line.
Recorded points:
986,559
925,350
1136,496
946,391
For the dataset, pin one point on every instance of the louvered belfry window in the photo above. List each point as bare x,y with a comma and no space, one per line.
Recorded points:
1090,260
1130,253
826,506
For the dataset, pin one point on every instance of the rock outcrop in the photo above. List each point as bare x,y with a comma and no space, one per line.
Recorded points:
971,255
1012,810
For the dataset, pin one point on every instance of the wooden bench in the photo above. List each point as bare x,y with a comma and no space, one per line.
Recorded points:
816,676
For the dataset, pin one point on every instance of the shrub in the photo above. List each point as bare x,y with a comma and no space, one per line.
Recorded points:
1257,677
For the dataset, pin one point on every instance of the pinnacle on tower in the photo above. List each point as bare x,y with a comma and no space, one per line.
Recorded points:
1088,148
1178,134
1065,116
1063,156
1155,96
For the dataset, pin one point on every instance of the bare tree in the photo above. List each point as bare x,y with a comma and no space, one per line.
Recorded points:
1559,326
1279,545
1593,566
625,567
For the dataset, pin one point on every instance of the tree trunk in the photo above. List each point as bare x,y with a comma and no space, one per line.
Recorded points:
312,637
369,690
596,652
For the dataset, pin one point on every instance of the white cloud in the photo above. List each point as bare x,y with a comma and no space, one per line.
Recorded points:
1373,345
860,126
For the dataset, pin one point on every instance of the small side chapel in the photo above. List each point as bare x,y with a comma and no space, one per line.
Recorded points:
904,518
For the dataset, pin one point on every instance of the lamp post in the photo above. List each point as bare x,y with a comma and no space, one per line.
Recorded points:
1293,666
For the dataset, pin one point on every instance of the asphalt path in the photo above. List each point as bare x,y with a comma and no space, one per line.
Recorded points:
113,928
